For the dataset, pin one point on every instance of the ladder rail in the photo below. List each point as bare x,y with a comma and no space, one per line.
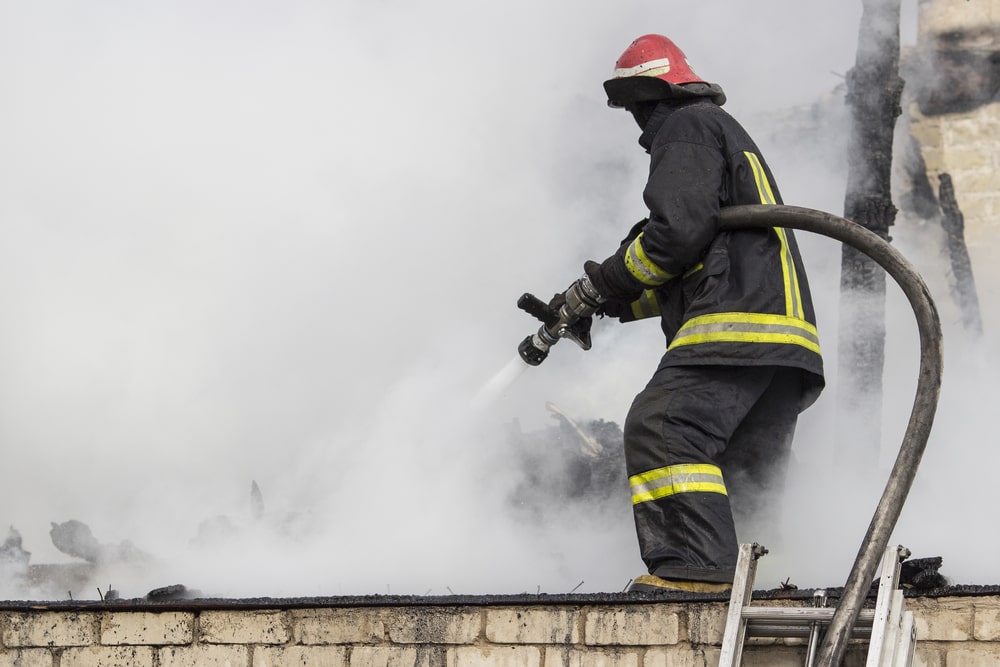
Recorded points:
888,627
907,641
884,605
736,627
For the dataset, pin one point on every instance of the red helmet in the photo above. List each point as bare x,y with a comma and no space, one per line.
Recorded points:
648,70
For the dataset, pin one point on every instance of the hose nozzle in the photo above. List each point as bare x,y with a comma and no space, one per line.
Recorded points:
533,352
581,301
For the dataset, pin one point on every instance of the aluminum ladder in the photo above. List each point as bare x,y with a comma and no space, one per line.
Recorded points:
888,627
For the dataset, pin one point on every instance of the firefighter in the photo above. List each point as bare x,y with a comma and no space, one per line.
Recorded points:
712,430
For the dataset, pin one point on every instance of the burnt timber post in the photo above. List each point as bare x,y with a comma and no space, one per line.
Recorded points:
963,283
874,88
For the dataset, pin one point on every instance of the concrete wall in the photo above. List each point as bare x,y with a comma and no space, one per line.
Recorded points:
951,632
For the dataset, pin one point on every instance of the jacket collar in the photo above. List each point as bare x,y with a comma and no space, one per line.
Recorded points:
684,96
663,111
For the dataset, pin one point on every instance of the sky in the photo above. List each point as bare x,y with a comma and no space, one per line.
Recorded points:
282,242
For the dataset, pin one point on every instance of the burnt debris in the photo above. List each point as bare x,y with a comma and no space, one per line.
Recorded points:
568,464
922,574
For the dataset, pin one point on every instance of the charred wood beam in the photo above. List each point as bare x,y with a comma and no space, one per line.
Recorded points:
874,89
963,282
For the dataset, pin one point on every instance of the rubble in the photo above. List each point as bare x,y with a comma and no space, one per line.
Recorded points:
568,464
922,574
98,561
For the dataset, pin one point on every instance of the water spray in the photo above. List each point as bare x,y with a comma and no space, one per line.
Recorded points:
495,385
565,318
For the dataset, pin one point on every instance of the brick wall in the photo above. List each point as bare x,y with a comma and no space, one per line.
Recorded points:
951,632
959,45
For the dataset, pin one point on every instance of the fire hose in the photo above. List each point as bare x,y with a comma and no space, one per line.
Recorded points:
564,324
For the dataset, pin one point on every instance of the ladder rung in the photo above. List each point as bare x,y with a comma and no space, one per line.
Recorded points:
799,615
772,631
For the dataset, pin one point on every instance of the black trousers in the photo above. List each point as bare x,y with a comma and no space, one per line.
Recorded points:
701,441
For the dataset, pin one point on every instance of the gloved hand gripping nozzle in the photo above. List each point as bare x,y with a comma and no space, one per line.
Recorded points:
581,300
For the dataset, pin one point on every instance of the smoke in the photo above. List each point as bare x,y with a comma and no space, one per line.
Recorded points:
282,243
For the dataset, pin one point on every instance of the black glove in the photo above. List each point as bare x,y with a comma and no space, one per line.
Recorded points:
557,301
580,328
612,281
612,309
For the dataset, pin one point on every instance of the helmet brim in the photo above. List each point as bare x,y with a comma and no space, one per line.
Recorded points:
628,90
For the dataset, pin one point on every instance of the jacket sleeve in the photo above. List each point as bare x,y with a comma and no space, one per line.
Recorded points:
683,195
686,175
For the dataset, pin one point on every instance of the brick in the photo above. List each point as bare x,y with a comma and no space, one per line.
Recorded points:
533,626
555,657
306,656
204,655
977,211
985,181
988,655
926,131
773,656
960,159
108,656
707,623
397,656
965,130
494,656
54,629
674,657
646,625
937,620
29,657
242,627
337,626
434,625
928,655
145,628
986,621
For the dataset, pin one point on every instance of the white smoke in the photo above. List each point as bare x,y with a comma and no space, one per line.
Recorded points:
282,242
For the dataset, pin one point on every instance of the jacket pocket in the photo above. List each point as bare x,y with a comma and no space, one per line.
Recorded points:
703,285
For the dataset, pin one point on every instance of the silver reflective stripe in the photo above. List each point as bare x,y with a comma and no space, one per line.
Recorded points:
675,480
747,328
642,267
679,478
750,327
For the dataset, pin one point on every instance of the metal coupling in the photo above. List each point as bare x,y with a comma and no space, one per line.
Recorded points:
582,298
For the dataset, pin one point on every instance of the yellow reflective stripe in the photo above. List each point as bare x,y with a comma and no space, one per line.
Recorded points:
793,294
697,267
763,186
645,306
747,328
671,480
642,267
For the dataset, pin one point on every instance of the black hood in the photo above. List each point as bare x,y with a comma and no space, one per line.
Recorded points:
655,118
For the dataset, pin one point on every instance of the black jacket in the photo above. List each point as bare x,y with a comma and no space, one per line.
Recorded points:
731,298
